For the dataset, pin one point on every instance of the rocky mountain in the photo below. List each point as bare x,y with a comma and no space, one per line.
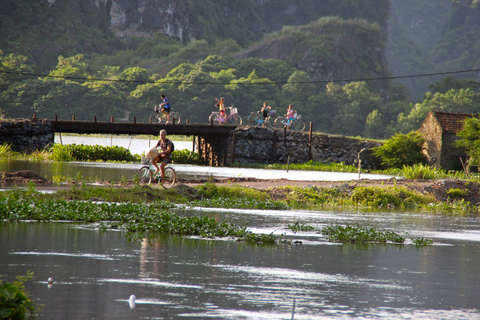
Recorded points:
409,37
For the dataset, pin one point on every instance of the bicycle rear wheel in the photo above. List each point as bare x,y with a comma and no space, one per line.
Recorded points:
235,119
271,121
143,176
279,123
170,178
155,117
214,117
298,125
175,117
254,119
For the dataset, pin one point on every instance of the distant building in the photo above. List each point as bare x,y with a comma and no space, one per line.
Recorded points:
440,132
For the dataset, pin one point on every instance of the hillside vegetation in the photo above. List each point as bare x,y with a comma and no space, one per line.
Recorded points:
108,58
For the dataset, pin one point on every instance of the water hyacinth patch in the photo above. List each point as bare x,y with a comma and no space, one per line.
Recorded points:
241,203
359,234
132,217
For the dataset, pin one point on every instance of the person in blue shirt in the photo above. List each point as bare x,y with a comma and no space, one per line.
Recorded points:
165,107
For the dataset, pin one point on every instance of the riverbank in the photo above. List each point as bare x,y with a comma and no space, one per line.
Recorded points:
442,190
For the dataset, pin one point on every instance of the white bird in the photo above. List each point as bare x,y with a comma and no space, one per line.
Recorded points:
50,280
131,301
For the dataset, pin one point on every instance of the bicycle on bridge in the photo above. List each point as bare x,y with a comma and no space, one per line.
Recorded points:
296,123
158,116
232,118
256,118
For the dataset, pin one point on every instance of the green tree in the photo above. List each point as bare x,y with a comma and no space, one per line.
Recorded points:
470,139
71,67
402,149
374,127
131,78
451,82
459,101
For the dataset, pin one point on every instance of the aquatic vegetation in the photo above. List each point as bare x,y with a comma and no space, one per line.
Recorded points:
359,234
133,217
239,203
299,227
422,242
15,300
5,149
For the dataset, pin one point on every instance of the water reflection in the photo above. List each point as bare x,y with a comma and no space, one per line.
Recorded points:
96,272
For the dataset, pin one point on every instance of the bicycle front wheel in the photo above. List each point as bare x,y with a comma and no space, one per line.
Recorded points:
143,176
298,125
175,117
254,119
235,119
155,117
170,178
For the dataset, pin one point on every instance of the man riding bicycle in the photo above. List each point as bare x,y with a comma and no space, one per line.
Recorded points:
165,107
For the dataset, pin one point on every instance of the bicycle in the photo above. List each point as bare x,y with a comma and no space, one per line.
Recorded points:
256,118
146,175
295,123
158,116
232,118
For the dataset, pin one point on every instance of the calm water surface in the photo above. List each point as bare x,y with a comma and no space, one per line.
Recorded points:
96,272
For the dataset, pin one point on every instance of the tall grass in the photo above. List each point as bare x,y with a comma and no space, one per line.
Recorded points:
5,149
421,171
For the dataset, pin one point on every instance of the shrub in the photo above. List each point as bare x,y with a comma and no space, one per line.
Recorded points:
15,301
187,157
420,171
402,149
74,152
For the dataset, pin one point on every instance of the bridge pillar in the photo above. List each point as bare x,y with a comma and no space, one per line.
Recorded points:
213,149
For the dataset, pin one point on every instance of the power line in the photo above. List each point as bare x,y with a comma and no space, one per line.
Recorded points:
239,83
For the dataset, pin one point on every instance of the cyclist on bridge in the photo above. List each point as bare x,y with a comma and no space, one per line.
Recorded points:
165,107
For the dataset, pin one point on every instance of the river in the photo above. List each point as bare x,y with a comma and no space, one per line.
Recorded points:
95,273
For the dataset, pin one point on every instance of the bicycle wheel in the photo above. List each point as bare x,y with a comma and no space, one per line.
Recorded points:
143,176
235,119
214,116
298,125
254,119
155,117
174,116
170,178
271,121
279,123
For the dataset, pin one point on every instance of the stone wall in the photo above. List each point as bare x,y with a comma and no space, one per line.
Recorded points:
277,146
26,135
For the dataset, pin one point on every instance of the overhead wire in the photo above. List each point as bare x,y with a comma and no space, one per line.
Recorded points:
239,83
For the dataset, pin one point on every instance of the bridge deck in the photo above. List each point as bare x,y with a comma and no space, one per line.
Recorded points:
139,128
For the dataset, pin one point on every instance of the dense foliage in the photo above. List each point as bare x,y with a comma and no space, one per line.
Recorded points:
402,150
470,140
93,71
15,301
